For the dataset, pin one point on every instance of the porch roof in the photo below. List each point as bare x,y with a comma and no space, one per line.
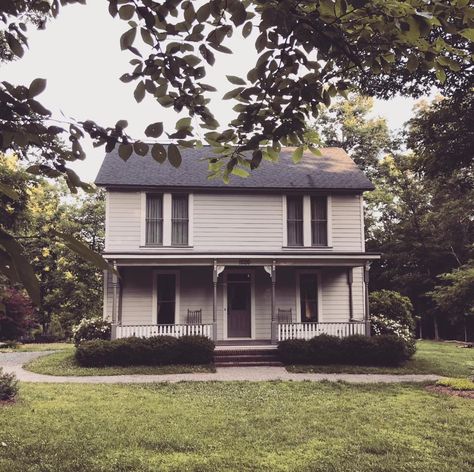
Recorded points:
244,258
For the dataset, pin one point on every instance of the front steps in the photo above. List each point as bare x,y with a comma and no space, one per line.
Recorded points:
246,357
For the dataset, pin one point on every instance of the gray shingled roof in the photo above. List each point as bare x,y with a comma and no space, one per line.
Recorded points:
334,170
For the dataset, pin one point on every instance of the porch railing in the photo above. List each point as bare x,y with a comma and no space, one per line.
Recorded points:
175,330
310,330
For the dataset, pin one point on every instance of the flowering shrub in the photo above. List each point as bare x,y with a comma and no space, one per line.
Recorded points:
8,386
91,328
383,325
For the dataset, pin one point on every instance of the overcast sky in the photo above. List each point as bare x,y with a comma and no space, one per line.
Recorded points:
79,55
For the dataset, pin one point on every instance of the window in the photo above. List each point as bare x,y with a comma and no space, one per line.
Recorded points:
166,298
294,218
154,219
309,298
319,221
179,220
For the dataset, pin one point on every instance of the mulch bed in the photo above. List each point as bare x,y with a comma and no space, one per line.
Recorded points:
7,402
450,391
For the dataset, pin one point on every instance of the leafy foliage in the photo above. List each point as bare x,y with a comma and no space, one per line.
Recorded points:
91,328
18,315
394,306
8,386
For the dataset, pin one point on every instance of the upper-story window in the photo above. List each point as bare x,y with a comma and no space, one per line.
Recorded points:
154,219
294,205
319,221
179,220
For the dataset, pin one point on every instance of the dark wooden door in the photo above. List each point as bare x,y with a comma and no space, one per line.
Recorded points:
239,295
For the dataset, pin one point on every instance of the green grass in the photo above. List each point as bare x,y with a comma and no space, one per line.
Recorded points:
63,363
235,426
457,384
38,347
432,357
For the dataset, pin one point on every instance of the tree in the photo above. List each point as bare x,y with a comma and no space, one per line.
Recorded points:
18,316
347,124
309,52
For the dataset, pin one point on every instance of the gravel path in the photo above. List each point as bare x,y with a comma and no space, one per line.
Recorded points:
12,362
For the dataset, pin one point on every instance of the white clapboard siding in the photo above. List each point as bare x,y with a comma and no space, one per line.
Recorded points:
346,223
233,221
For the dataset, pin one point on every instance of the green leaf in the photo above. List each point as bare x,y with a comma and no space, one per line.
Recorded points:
315,151
192,60
147,37
183,123
247,29
174,156
158,152
468,33
121,124
9,191
165,101
441,75
233,93
20,265
297,154
140,148
155,130
126,12
235,80
240,172
125,151
36,87
14,44
203,13
82,250
412,64
139,92
127,38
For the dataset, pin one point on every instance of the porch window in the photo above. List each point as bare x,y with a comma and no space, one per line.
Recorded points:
179,220
154,219
309,298
294,206
319,221
166,298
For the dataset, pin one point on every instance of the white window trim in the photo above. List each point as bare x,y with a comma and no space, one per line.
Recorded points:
107,220
362,223
167,203
307,235
252,302
298,294
154,311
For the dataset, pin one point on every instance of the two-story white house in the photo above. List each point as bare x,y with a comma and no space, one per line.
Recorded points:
275,256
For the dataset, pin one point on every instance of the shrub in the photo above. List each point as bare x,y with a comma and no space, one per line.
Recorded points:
324,349
195,350
381,325
294,351
17,317
353,350
91,328
157,350
8,386
392,306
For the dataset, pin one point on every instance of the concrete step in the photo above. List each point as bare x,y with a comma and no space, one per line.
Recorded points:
249,364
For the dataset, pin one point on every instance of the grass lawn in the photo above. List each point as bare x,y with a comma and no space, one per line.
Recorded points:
63,363
432,357
235,426
38,347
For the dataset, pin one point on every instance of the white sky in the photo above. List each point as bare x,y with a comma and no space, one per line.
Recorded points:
80,56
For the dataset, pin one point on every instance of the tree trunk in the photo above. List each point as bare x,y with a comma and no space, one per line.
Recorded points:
435,325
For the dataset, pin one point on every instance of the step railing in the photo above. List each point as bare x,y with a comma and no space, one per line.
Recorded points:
310,330
175,330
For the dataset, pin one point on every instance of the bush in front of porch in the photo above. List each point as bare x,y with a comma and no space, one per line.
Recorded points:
156,350
384,350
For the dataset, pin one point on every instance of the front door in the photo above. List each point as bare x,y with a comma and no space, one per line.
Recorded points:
239,296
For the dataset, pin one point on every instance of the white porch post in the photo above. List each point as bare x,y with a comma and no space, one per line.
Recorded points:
350,279
367,308
214,302
274,333
115,301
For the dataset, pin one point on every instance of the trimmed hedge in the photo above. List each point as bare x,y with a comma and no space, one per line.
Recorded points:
157,350
384,350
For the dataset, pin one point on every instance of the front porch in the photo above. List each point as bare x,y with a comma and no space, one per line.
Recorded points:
239,300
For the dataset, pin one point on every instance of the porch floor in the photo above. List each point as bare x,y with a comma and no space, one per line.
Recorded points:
245,345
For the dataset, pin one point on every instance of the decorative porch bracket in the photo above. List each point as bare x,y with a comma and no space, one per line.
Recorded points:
271,270
366,291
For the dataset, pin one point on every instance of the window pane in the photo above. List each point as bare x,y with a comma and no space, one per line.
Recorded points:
179,220
309,297
154,219
319,222
294,218
166,295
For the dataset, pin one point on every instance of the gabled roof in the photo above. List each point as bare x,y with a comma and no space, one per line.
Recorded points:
333,170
